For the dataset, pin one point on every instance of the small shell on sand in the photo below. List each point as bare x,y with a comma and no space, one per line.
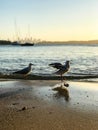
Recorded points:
66,84
24,108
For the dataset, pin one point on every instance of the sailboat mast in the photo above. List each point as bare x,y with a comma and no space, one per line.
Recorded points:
16,31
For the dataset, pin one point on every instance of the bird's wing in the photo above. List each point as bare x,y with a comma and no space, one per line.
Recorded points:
23,71
56,65
62,70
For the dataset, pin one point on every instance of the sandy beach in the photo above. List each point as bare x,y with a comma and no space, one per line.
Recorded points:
34,105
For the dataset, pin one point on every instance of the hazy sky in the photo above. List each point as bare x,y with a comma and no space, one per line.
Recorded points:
54,20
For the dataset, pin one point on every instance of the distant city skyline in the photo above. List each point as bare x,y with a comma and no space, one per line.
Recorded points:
50,20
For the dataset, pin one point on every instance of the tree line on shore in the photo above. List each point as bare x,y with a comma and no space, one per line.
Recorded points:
5,42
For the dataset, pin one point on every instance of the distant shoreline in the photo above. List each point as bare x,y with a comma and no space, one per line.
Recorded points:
5,42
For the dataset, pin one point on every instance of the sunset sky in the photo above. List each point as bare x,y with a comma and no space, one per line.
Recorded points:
53,20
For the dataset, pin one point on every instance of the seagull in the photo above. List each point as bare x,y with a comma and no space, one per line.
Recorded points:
24,71
61,68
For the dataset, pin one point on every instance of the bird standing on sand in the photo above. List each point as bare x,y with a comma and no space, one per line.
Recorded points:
24,71
61,68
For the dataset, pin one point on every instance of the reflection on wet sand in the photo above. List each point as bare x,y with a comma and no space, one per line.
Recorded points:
62,91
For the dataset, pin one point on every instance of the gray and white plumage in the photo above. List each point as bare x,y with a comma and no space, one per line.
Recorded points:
61,68
24,71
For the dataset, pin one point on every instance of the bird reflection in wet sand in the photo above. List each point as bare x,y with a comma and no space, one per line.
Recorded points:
61,92
26,71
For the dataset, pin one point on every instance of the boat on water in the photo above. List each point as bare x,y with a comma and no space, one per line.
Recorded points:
15,43
28,41
22,44
27,44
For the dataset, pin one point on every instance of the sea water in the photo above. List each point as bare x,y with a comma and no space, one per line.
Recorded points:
83,58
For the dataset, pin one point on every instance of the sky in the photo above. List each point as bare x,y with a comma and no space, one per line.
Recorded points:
50,20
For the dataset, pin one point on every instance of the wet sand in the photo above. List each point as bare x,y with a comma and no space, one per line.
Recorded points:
34,105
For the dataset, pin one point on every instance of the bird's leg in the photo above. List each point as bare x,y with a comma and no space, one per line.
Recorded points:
62,84
64,80
61,78
25,76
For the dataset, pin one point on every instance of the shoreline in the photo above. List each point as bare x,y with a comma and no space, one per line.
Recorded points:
45,109
48,77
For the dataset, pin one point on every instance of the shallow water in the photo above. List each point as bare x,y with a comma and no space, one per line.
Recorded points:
83,58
